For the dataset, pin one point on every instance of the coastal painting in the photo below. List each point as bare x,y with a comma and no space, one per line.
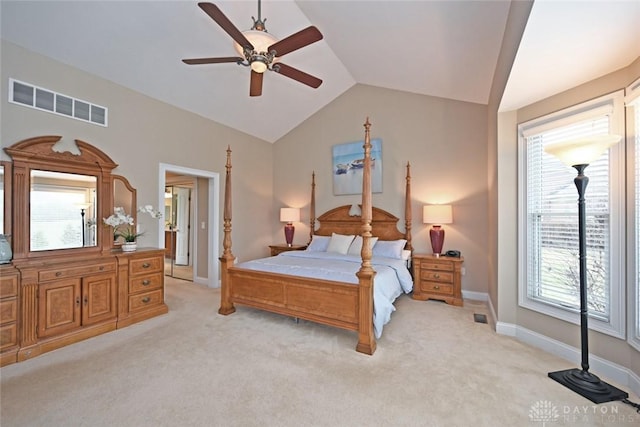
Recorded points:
348,162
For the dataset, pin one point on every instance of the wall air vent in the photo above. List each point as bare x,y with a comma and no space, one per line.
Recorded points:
28,95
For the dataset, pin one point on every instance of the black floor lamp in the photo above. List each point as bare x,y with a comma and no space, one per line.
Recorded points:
578,154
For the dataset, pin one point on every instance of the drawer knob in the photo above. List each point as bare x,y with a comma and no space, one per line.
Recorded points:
146,299
437,276
58,273
146,282
436,287
101,267
146,265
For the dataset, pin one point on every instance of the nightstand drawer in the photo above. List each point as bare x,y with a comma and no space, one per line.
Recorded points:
440,266
436,276
436,288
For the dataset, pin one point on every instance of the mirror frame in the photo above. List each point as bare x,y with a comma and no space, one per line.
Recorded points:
39,153
7,230
132,209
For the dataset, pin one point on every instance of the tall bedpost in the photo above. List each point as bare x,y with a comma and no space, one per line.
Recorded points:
312,207
407,209
227,258
366,274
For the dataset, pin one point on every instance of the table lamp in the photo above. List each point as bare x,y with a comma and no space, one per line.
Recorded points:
289,215
437,215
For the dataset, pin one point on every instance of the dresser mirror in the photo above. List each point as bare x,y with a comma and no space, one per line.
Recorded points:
63,209
124,195
60,198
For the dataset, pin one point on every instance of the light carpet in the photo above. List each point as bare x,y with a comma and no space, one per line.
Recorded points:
434,366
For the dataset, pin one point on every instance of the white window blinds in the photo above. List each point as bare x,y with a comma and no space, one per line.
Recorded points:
552,222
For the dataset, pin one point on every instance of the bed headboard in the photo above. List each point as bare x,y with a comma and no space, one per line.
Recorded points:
337,220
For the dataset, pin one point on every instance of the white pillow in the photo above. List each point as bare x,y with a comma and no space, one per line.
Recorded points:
356,245
389,248
319,243
340,243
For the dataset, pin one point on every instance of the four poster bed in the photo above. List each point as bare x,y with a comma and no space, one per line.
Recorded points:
329,287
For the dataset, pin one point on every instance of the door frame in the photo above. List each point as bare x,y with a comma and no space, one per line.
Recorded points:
213,246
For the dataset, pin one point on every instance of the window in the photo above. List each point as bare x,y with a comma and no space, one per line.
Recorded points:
548,213
632,101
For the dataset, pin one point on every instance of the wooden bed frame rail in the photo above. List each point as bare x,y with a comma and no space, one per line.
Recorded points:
338,304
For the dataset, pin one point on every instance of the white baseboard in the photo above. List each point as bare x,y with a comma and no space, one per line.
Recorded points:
477,296
598,365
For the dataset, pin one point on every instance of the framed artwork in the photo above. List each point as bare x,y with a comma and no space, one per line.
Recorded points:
348,163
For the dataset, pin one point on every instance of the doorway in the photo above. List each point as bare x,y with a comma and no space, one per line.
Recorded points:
190,224
179,216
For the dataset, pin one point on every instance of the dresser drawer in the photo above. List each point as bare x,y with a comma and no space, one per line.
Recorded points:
8,336
82,270
8,310
436,288
146,265
436,276
145,283
8,286
141,302
439,266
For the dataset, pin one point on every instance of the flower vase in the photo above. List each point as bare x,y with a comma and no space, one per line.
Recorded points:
5,250
129,246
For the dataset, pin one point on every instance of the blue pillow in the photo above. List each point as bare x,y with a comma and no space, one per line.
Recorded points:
389,248
319,243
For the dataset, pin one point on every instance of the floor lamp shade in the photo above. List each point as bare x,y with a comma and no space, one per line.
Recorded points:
579,153
289,215
437,215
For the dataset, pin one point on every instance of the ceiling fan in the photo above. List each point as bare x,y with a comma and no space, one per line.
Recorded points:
260,50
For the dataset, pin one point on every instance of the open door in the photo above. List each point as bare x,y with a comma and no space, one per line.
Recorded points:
182,198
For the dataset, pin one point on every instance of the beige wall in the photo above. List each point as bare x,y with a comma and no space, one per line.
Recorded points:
500,130
143,133
444,140
605,346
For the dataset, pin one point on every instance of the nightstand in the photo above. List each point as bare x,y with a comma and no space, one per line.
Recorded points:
437,278
276,249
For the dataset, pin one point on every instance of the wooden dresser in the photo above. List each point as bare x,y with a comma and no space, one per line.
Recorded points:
9,280
55,302
141,279
437,278
60,288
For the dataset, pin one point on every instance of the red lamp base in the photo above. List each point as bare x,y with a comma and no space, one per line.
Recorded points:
289,229
437,239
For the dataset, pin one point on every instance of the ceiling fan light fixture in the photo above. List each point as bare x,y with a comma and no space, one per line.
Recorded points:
259,64
261,40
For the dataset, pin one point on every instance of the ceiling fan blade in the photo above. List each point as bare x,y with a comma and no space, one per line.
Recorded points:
198,61
256,84
298,75
295,41
216,14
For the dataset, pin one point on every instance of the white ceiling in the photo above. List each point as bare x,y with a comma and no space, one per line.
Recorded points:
442,48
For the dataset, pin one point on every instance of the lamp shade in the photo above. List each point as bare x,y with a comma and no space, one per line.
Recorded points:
289,214
582,151
437,214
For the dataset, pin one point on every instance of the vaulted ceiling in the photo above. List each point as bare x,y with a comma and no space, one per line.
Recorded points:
444,48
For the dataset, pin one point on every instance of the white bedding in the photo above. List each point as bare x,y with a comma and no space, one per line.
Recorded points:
391,280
